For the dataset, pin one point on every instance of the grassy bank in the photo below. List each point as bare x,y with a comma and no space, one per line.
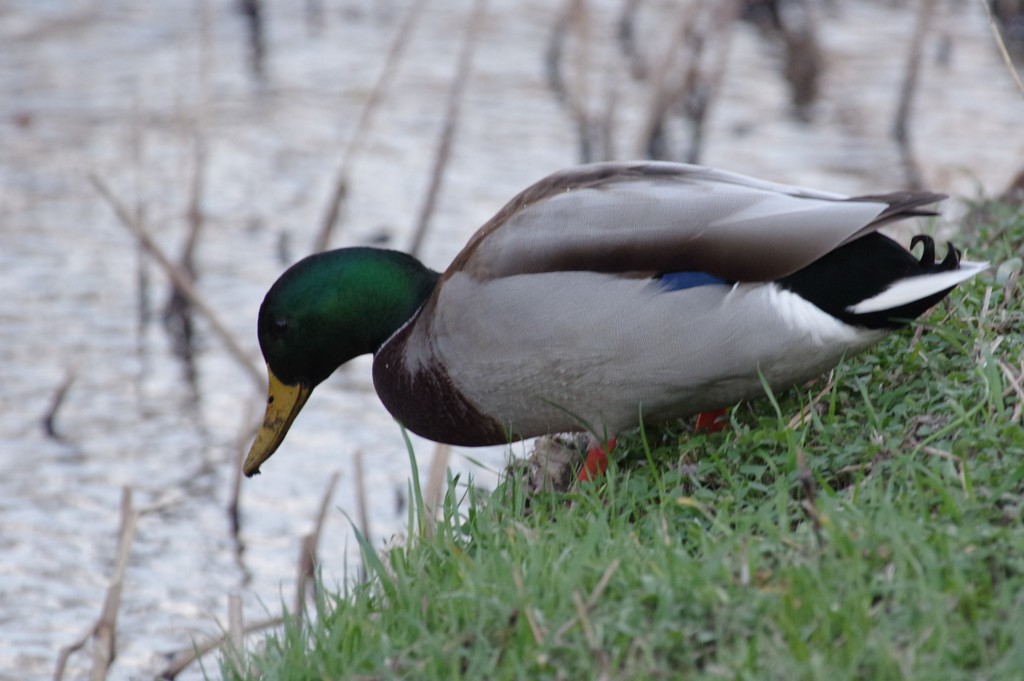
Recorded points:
878,537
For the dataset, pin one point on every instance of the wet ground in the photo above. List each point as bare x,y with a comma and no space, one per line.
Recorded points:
127,92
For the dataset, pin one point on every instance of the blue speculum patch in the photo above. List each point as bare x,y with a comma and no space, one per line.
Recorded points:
677,281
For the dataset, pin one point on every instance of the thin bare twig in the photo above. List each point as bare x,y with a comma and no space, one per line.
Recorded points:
700,32
178,311
252,10
451,120
180,279
1002,46
627,39
593,129
308,552
50,419
901,124
698,102
181,660
555,50
797,27
103,633
578,99
194,212
234,503
142,274
360,134
106,628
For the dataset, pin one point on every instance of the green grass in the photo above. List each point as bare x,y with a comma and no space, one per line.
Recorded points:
881,538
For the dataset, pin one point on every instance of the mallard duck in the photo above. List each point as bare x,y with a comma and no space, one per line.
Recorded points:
601,296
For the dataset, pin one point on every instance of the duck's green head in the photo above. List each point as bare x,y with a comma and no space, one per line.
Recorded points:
322,312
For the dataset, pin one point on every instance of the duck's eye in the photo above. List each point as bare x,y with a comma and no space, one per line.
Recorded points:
279,326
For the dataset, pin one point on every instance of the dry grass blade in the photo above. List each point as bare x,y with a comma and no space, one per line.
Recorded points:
450,121
364,515
744,561
583,617
602,583
958,464
436,479
104,631
798,420
236,631
180,279
583,607
1016,386
539,633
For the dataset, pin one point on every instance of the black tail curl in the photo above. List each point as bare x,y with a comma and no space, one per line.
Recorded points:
927,260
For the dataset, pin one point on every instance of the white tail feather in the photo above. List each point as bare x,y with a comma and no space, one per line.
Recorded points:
910,289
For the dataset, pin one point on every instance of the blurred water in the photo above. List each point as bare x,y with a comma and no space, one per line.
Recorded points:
124,89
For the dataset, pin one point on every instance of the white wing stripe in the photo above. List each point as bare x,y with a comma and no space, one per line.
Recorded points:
915,288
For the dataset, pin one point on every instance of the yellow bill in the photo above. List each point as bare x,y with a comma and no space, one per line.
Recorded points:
284,402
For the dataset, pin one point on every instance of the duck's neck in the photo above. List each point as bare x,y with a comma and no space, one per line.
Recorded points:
381,291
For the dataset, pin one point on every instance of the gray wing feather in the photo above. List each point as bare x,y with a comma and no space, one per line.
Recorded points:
661,217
